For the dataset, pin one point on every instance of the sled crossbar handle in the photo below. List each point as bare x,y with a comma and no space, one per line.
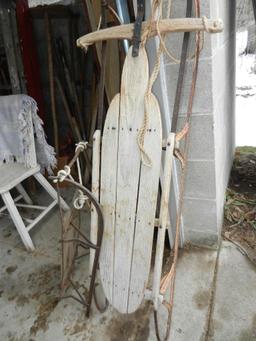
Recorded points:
165,26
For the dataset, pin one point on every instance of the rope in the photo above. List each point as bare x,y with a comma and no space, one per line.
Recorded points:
156,7
63,174
169,279
80,200
205,23
184,168
81,145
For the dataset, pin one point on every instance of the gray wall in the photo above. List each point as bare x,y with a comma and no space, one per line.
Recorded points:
212,130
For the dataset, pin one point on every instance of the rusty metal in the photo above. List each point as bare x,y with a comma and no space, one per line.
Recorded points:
100,309
84,242
182,71
137,27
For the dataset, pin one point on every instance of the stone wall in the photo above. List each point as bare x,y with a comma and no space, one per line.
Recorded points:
212,131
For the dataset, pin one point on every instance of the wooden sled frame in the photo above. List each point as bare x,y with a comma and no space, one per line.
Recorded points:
165,26
156,295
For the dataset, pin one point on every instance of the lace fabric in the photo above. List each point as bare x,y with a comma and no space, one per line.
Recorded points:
22,137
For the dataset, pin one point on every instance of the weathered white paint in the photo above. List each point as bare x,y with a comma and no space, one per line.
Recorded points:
17,220
12,176
24,194
133,88
163,218
146,208
129,189
109,158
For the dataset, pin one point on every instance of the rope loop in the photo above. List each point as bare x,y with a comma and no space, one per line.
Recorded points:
63,174
81,145
80,200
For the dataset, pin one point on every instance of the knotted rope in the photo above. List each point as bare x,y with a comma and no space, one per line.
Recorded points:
81,199
63,174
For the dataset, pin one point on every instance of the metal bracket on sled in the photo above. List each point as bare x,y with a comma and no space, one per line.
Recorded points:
137,27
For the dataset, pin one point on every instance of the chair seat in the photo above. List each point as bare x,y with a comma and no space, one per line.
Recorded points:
12,174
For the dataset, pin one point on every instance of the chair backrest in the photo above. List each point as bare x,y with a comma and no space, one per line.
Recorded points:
16,130
129,188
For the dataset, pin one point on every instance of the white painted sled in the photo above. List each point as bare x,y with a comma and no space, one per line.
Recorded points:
128,190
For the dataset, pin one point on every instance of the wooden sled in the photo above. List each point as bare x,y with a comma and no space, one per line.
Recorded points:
128,190
126,187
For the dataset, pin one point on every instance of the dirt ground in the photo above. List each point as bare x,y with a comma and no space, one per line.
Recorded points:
240,207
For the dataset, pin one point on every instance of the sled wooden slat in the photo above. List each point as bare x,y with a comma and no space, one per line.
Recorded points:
129,188
108,194
146,208
163,219
95,191
133,88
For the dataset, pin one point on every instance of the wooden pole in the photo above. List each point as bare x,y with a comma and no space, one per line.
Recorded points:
51,81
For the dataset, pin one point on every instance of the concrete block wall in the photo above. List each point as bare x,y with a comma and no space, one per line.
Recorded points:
212,142
223,87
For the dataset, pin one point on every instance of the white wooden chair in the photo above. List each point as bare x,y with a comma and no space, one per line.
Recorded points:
11,176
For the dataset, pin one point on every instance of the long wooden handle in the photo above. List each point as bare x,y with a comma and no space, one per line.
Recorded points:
165,26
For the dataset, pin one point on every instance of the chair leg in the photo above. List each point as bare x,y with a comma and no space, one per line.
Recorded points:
24,194
49,189
18,222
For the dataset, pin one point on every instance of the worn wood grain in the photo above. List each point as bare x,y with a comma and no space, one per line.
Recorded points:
109,159
164,218
133,88
146,208
165,26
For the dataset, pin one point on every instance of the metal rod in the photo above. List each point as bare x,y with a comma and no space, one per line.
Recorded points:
123,12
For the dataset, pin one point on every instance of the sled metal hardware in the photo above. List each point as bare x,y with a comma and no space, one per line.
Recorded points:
73,238
137,28
149,296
